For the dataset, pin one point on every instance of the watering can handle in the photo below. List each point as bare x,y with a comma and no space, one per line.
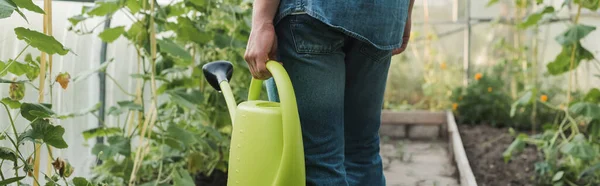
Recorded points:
292,158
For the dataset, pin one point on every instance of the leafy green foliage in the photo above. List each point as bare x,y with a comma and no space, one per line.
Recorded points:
112,34
593,96
41,41
586,109
191,136
101,132
11,180
589,4
79,181
28,4
174,50
48,133
32,111
8,154
183,178
7,7
562,63
40,130
116,145
579,148
515,147
573,34
13,104
534,19
482,101
103,8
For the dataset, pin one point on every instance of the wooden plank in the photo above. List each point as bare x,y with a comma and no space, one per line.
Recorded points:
413,118
460,156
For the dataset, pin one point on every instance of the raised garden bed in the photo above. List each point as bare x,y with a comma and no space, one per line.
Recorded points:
484,146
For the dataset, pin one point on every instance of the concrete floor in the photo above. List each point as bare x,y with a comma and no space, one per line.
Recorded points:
418,163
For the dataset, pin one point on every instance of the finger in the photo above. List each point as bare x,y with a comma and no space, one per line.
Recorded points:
251,61
261,68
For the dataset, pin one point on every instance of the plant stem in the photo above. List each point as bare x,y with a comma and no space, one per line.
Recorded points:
14,60
534,80
2,174
572,59
119,86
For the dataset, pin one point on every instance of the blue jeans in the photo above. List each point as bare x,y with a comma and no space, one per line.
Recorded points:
339,83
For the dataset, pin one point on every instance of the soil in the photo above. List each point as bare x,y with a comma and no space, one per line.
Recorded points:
484,146
217,178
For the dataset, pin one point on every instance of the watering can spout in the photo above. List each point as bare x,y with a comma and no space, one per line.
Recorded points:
218,74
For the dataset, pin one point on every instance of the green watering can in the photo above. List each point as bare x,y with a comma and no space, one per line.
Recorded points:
266,140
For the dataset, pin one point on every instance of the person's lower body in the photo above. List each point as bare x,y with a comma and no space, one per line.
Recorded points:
339,83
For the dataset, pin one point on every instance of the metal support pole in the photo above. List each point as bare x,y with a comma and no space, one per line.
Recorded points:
102,87
467,44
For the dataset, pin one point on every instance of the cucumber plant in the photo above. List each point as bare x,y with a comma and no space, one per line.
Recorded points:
18,74
181,126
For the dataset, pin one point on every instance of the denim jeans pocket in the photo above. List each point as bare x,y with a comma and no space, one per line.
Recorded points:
312,36
373,53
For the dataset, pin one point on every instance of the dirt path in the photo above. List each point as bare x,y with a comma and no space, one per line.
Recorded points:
418,163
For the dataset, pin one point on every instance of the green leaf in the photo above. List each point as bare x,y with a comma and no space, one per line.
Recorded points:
138,33
523,100
589,4
189,99
48,133
130,105
101,131
515,147
180,134
17,68
133,5
182,178
187,31
33,70
579,148
590,170
593,128
492,2
175,50
41,109
198,3
115,111
558,176
11,180
104,8
41,41
593,96
13,104
79,181
574,34
586,109
6,8
533,19
117,145
562,63
112,34
76,19
8,154
29,5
